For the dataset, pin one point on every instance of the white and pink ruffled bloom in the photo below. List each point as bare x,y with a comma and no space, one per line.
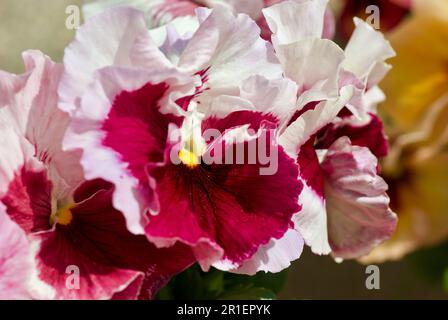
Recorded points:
221,72
124,115
335,134
52,218
103,160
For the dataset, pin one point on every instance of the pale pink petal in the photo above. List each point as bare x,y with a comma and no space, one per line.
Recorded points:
329,24
46,125
356,104
32,111
14,152
359,217
15,264
105,40
18,273
10,84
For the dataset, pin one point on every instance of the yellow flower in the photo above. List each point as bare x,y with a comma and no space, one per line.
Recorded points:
416,112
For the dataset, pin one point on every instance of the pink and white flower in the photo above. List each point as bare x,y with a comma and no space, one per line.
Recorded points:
126,161
334,130
127,116
53,218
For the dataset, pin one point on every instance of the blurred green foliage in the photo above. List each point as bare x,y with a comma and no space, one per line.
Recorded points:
195,284
432,264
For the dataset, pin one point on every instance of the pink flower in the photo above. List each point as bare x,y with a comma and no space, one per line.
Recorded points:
334,130
66,220
214,62
142,102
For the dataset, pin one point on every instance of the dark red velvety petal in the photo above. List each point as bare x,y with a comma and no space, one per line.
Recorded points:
112,262
230,205
136,129
370,135
255,120
28,200
309,167
308,163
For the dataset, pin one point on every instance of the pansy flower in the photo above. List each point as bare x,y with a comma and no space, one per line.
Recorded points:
69,224
128,120
334,130
213,62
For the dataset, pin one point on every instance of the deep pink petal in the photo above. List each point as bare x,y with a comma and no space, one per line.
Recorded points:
359,217
28,200
370,135
136,129
255,120
110,259
231,207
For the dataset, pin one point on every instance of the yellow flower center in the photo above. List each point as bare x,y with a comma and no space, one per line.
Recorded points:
188,158
62,216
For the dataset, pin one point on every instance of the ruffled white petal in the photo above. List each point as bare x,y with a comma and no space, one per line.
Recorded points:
366,52
291,21
230,50
311,121
311,221
274,257
314,65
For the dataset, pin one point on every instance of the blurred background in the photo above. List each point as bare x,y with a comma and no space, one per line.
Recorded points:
421,274
30,24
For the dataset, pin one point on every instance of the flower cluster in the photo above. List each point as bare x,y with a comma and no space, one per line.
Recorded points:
101,157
